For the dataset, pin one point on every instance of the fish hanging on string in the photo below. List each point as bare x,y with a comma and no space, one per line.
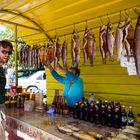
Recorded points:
64,54
103,44
57,51
75,48
89,46
110,40
137,46
119,40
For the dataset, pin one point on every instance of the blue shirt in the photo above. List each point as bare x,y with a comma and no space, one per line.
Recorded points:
75,92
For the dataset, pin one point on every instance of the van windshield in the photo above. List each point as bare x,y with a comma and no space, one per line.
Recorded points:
25,73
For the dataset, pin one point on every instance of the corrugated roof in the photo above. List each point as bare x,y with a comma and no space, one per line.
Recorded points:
59,17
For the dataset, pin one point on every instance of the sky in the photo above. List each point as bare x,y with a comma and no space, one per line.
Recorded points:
2,28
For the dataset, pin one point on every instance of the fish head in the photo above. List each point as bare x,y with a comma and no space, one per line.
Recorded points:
121,24
102,27
109,24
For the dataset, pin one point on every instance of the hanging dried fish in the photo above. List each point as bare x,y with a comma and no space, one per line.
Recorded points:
26,56
57,51
137,46
64,54
103,45
50,53
89,46
110,40
128,37
119,40
42,54
21,55
75,48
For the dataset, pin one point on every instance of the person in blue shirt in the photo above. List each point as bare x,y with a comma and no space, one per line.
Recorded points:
73,84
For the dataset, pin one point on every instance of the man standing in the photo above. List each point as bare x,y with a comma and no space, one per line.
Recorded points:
5,52
73,84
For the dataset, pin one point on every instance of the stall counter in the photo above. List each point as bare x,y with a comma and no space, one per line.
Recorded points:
41,126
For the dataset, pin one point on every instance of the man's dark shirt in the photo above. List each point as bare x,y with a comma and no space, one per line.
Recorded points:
2,86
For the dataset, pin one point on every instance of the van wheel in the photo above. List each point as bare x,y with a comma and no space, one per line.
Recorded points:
34,89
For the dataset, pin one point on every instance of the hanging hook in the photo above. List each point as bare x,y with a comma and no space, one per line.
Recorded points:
126,13
108,18
55,32
101,21
120,16
74,26
136,11
65,38
86,24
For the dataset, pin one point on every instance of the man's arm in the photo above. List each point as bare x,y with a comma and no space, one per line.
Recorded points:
58,77
69,74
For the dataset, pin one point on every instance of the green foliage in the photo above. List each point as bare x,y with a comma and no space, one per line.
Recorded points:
9,35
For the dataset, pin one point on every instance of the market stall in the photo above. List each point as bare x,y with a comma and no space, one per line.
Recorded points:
111,73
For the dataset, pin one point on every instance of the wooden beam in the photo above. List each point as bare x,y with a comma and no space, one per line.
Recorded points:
17,13
21,25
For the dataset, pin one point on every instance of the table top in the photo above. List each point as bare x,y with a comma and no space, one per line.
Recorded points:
48,123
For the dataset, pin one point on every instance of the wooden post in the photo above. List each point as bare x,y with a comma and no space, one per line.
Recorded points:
16,58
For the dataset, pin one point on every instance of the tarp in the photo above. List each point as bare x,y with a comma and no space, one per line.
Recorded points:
46,18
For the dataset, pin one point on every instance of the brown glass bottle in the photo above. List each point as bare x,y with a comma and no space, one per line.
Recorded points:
109,115
81,111
97,112
123,116
86,110
130,117
76,111
103,114
117,116
91,112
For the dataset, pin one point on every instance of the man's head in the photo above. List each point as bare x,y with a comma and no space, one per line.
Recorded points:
6,48
75,71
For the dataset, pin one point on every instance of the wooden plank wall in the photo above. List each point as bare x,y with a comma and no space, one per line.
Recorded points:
108,82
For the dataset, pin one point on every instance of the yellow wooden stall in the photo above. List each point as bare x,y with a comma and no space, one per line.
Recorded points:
107,81
41,20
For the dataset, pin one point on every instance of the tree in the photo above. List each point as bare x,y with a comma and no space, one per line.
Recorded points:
9,35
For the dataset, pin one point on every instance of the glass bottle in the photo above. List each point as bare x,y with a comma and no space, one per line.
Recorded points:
97,112
117,116
92,98
123,116
109,115
76,111
130,116
103,114
91,112
86,110
81,111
